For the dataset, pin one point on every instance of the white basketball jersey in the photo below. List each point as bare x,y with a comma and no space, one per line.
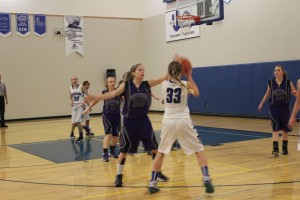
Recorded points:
77,93
175,99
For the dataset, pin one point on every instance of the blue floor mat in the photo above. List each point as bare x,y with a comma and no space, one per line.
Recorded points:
62,151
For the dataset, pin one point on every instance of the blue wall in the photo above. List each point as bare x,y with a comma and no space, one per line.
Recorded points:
237,89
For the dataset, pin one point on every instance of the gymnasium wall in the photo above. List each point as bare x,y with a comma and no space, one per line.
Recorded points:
37,72
237,89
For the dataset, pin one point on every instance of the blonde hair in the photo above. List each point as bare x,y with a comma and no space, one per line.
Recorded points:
174,70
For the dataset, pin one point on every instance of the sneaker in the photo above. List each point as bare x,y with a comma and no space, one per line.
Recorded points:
209,188
118,181
285,152
161,177
79,140
105,157
153,188
113,154
275,152
88,131
174,148
90,134
72,137
4,126
149,153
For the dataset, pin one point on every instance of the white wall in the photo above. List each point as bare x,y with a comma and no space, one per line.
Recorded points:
37,72
96,8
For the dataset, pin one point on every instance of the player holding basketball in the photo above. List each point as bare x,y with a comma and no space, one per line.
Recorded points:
77,92
278,93
136,123
111,121
177,124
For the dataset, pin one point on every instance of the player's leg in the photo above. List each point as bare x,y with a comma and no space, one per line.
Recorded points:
79,120
156,171
190,143
107,131
275,121
115,136
129,142
285,114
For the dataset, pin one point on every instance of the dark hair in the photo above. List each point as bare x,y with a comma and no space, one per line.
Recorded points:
86,83
129,76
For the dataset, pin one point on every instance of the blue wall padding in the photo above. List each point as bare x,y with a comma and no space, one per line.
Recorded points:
237,89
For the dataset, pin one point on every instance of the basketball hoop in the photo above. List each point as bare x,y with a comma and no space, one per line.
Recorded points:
185,22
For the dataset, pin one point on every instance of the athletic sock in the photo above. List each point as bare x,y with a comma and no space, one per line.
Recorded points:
205,173
154,176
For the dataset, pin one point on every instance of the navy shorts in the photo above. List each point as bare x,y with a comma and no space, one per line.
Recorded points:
112,124
280,116
134,131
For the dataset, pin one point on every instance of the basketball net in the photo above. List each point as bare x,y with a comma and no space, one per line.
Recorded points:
185,23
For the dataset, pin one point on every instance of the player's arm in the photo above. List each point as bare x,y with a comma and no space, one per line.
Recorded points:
155,97
296,106
266,96
157,81
71,98
94,99
192,85
293,89
5,96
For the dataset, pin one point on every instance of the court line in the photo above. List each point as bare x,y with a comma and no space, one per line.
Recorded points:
226,133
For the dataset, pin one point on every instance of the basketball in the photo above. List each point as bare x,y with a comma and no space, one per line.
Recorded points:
186,66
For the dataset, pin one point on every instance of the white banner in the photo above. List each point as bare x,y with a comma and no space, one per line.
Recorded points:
74,34
173,31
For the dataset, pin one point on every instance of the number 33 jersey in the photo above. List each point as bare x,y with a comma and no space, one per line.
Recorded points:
77,94
176,99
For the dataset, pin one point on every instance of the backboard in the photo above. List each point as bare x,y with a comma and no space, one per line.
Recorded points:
209,10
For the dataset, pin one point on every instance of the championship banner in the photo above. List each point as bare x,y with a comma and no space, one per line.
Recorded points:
5,29
74,34
22,24
39,23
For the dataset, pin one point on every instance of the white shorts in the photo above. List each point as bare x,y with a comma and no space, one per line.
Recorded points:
87,117
77,113
182,130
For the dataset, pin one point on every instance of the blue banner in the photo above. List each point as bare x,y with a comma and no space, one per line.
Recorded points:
39,22
5,29
22,24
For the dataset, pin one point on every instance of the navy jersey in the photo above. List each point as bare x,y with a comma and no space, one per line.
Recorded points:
280,94
137,100
111,106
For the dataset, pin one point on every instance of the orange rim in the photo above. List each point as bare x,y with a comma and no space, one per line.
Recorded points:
189,17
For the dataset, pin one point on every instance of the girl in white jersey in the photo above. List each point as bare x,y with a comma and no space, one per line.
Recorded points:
177,124
77,92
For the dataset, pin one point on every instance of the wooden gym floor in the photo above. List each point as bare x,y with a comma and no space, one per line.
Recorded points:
240,170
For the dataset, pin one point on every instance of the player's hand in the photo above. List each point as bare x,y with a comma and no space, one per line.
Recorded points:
291,122
87,111
259,108
177,58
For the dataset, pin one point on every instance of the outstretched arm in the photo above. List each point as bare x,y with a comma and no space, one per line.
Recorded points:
294,91
264,99
157,81
94,99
